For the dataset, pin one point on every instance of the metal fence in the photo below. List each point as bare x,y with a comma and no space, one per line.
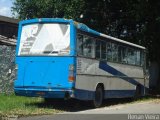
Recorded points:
7,68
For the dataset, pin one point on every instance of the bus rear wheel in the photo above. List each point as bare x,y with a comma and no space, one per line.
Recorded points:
137,94
98,97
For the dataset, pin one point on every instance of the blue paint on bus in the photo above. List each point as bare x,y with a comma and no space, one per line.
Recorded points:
85,28
89,95
43,74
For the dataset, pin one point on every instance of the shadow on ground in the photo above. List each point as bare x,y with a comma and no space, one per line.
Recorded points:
74,105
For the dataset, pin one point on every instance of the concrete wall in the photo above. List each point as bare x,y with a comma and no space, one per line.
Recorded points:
8,34
7,68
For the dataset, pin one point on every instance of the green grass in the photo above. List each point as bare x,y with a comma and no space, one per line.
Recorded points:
11,105
147,99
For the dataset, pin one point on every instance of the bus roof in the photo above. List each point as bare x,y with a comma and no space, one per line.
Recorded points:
85,28
79,26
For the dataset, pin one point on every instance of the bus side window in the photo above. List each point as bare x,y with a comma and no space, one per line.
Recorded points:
138,58
109,51
131,56
98,49
80,44
115,52
88,47
103,50
120,50
124,55
142,58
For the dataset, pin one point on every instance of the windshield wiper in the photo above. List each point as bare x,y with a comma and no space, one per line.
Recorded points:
54,52
50,52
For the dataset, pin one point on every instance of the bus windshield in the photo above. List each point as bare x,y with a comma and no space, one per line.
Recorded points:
45,39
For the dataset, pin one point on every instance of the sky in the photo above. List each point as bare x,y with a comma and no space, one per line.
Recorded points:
5,7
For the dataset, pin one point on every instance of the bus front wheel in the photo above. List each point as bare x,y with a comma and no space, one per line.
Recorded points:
98,97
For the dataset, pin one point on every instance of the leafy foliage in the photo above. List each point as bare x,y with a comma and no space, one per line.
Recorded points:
27,9
137,21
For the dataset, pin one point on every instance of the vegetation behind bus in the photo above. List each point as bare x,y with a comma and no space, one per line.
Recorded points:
129,20
136,21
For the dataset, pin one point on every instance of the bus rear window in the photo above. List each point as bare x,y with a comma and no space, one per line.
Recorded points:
45,39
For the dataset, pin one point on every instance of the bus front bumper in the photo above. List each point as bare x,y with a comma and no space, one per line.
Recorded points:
45,93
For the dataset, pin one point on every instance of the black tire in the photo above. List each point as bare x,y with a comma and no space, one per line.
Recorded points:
137,94
98,97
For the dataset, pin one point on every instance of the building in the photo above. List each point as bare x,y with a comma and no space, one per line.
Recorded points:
8,34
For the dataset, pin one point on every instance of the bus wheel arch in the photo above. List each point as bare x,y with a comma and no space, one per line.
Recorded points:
98,95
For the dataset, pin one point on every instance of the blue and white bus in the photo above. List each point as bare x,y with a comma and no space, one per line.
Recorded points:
59,58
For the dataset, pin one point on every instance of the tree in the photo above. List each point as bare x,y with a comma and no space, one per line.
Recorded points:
27,9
